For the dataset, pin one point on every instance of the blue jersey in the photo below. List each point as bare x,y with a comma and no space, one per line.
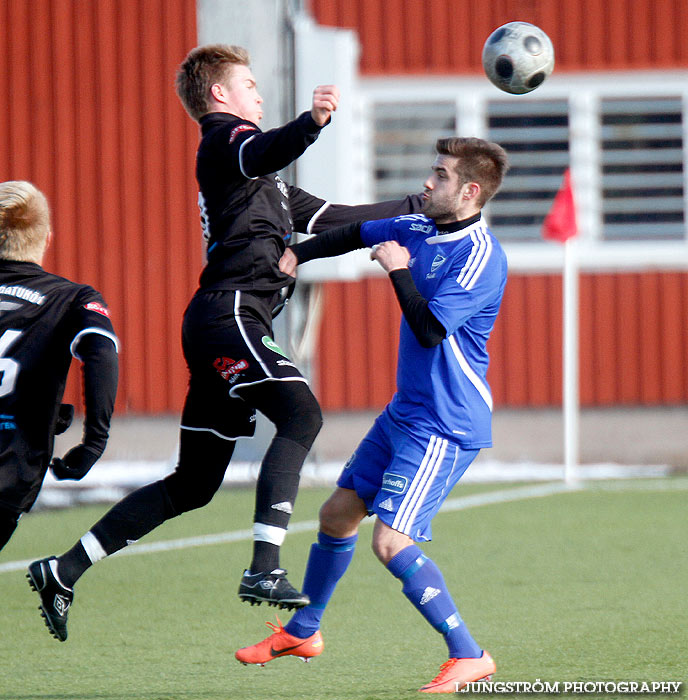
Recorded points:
462,274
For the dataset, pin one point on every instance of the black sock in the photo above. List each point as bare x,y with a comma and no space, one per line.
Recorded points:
278,484
265,557
72,564
133,517
127,521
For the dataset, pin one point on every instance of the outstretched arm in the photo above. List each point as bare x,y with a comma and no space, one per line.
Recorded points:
261,153
312,214
328,244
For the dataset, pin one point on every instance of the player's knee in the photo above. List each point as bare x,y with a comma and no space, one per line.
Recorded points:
387,543
189,494
302,424
381,550
310,421
336,520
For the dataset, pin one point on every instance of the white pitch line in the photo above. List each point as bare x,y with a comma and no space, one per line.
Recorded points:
453,504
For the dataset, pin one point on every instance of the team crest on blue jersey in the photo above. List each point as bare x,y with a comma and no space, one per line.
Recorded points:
439,260
394,483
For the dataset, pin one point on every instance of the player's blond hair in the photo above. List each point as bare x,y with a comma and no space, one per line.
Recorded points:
201,69
479,161
24,221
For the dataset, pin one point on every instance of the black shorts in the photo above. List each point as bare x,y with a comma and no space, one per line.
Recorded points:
228,345
22,470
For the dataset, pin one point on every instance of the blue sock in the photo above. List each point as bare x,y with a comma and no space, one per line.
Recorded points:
327,562
424,586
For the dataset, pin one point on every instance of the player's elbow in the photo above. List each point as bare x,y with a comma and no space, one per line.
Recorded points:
430,340
431,333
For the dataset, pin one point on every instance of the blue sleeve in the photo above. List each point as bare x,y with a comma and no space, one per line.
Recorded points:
470,287
374,232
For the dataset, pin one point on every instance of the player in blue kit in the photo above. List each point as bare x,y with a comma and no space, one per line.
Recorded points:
449,274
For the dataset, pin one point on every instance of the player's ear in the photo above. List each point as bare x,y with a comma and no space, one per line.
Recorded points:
470,190
217,91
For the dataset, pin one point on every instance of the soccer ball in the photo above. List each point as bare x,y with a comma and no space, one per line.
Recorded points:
517,57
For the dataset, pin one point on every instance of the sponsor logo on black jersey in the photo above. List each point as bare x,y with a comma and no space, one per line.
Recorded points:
239,129
98,308
15,290
282,186
270,344
7,422
228,367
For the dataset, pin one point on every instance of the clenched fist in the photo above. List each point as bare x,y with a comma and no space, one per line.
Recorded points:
325,101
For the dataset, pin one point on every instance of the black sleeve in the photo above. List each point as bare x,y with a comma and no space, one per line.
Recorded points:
100,372
425,326
270,151
311,214
338,214
336,241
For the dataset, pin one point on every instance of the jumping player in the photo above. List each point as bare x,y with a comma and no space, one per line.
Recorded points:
44,321
448,273
236,367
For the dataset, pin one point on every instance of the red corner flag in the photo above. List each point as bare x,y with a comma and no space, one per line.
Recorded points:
560,224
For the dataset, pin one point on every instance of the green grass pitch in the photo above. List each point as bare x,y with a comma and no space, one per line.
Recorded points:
581,586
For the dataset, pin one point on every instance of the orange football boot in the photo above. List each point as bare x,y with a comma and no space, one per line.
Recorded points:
456,673
281,643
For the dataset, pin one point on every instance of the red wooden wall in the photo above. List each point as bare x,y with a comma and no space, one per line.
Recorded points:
447,36
633,341
633,326
90,116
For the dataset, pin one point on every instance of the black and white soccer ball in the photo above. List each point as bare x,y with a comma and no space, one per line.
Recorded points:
517,57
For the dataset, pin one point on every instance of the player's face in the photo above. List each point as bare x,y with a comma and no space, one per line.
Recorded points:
442,191
242,98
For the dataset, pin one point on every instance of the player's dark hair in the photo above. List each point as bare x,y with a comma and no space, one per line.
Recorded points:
24,221
202,68
479,161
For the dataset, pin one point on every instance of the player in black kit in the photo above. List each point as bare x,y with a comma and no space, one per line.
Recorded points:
44,321
236,367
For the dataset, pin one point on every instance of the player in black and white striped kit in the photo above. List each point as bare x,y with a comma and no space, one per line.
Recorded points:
236,368
44,321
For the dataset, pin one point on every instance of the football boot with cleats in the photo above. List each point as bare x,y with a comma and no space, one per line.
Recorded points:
456,673
56,599
281,643
273,588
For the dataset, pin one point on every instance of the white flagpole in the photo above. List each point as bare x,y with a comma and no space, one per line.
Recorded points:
570,350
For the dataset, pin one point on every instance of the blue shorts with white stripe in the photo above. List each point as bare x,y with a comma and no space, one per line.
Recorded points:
404,477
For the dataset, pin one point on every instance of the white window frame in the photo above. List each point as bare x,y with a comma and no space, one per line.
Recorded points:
584,92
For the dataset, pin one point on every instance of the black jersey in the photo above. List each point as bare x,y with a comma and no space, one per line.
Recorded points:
244,203
42,319
249,213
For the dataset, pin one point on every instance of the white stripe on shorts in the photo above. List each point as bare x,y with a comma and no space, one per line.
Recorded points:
242,330
414,499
